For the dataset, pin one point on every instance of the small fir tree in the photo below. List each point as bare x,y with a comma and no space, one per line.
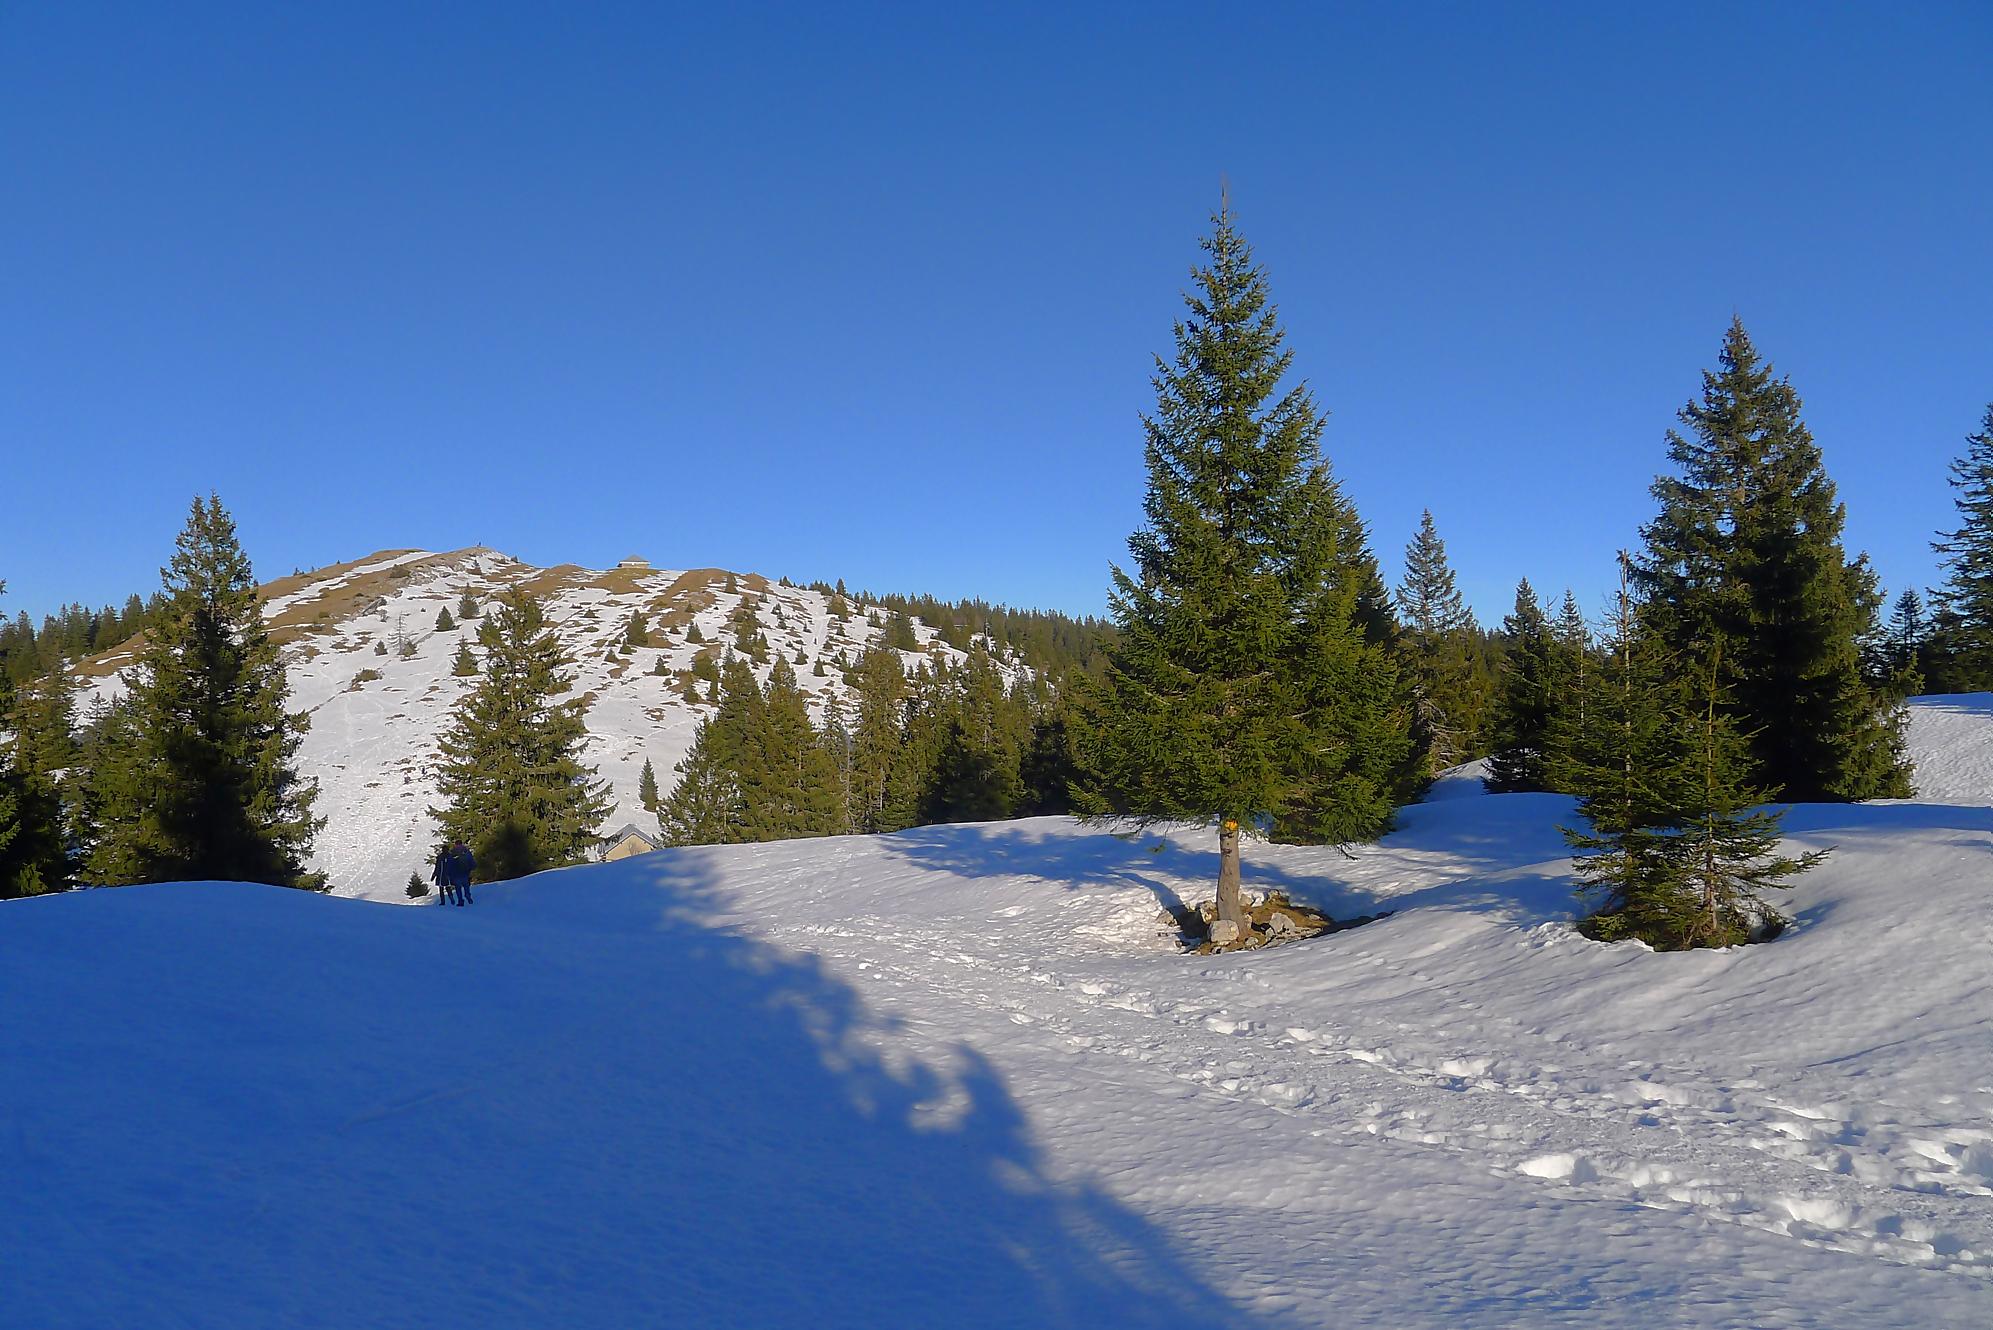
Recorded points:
465,664
467,606
416,888
1438,631
444,623
647,788
1527,702
1679,851
1902,652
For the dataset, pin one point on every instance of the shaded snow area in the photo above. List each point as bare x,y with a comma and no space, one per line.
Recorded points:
375,718
957,1077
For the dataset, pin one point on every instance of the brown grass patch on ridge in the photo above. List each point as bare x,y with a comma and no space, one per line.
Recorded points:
338,604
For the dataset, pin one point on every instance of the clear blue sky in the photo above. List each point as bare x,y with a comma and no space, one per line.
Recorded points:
871,291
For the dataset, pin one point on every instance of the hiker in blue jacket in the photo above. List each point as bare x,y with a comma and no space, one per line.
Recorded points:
444,874
462,864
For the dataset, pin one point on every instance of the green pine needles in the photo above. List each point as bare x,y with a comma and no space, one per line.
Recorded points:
1254,680
196,778
1961,633
1681,850
757,769
510,772
1745,562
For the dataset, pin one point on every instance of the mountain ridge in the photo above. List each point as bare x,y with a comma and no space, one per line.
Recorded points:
370,666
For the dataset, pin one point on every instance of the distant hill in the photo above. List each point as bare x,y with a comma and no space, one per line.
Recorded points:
375,715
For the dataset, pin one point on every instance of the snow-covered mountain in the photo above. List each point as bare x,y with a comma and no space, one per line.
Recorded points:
957,1077
375,717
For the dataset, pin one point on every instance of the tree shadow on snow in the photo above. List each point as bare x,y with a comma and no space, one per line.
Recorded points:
574,1104
1513,868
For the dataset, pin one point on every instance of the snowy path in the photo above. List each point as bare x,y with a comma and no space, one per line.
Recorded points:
1666,1136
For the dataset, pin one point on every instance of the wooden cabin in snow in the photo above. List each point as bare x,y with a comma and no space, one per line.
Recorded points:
624,842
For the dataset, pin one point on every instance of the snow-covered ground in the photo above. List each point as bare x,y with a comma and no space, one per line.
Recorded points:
956,1077
375,718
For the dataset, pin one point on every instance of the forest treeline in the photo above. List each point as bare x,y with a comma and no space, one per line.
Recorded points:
1254,672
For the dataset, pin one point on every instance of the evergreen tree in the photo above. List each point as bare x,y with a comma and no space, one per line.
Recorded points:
637,632
111,793
1046,769
900,635
1252,681
465,665
209,787
39,763
11,821
788,779
926,717
756,771
467,606
876,738
835,735
510,772
1903,644
705,806
1438,637
1745,562
444,623
12,874
1681,853
647,788
416,888
1528,703
692,633
1620,763
1962,627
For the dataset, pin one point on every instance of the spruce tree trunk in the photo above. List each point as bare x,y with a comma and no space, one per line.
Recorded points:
1228,874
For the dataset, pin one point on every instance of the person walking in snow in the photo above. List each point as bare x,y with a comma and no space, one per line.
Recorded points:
462,864
443,874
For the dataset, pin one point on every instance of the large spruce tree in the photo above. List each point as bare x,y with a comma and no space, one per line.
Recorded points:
1962,621
1744,563
510,773
1253,681
206,779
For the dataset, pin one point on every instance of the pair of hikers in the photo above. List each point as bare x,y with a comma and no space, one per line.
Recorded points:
452,874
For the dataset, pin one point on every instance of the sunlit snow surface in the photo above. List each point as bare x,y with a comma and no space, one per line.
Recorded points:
955,1077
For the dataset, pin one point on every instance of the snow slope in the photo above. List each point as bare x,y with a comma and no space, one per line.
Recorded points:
373,739
957,1077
